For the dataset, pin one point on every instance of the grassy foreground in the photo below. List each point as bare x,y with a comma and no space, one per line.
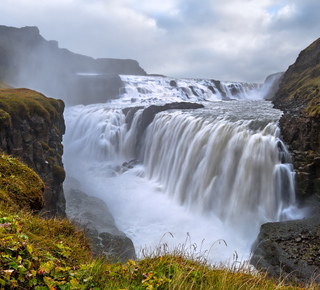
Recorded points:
37,253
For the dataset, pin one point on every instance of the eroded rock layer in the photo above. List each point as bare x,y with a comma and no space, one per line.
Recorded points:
31,128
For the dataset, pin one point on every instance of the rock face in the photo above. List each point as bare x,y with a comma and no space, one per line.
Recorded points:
31,128
28,60
93,214
150,112
289,249
292,247
299,97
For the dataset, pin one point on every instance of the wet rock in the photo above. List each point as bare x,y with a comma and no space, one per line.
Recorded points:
117,247
173,83
93,215
150,112
289,247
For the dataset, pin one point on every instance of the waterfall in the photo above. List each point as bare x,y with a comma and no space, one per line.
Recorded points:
219,167
146,89
213,173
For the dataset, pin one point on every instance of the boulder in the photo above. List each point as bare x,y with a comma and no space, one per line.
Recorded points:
289,250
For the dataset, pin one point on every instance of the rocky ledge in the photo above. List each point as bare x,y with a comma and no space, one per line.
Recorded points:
289,250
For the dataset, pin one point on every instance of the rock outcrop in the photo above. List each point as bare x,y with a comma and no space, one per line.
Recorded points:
28,60
94,216
291,248
150,112
31,128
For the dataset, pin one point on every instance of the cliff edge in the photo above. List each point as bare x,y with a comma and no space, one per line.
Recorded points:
291,248
299,98
31,128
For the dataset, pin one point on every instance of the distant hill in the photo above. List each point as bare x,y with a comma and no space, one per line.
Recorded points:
28,60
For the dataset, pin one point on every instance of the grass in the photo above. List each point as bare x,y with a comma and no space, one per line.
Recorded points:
19,104
38,253
19,185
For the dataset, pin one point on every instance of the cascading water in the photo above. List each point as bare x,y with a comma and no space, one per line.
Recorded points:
212,173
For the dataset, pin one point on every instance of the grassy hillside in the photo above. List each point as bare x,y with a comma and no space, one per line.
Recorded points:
37,253
300,86
4,85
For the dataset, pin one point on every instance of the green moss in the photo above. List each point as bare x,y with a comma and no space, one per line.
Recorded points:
52,152
19,185
51,160
58,173
5,119
23,103
56,130
45,146
60,148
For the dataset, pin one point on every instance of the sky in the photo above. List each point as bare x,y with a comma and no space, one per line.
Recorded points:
227,40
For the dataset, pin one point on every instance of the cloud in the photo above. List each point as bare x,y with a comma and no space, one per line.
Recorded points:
241,40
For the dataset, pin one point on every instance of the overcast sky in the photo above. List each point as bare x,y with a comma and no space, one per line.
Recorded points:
235,40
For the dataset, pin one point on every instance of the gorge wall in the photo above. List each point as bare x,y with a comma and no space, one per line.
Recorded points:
31,128
291,248
299,98
28,60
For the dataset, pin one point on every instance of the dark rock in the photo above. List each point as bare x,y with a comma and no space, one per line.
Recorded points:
94,216
298,97
220,89
173,83
37,142
117,247
150,112
286,249
129,113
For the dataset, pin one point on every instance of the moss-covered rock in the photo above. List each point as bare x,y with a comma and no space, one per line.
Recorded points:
31,128
299,88
24,103
19,185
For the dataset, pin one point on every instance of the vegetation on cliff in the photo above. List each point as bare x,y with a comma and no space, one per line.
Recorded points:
19,104
31,128
19,185
300,86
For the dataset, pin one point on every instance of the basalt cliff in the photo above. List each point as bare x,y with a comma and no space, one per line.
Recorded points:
31,128
292,248
28,60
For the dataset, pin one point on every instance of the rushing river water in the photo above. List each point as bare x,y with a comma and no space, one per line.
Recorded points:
209,174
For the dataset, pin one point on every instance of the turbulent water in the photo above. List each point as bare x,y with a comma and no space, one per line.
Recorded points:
206,174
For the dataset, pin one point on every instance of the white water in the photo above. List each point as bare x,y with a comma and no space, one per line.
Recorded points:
212,173
144,89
